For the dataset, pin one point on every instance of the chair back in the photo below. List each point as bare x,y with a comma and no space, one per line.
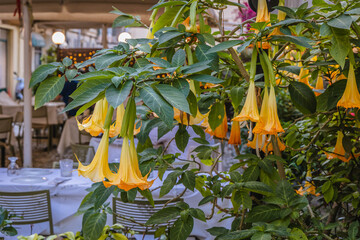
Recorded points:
40,113
28,207
6,124
1,110
83,153
139,211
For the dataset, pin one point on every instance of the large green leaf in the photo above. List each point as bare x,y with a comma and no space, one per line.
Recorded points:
167,36
224,45
182,85
41,73
94,225
340,45
188,178
166,18
263,213
205,78
87,92
104,61
174,96
237,95
97,75
179,58
343,21
251,173
48,90
166,4
285,191
164,215
181,229
122,21
302,97
116,96
301,41
182,138
297,234
289,21
157,104
160,62
102,195
261,236
202,55
238,235
216,115
257,187
169,182
328,100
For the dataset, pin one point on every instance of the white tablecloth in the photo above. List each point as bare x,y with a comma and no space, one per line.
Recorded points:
70,135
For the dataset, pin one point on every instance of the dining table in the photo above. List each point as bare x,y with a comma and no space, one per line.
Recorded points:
66,195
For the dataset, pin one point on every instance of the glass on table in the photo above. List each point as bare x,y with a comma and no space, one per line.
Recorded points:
13,168
66,167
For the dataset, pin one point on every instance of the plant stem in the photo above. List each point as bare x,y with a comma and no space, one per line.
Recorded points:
239,64
277,152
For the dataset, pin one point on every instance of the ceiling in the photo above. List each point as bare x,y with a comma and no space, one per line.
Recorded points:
76,13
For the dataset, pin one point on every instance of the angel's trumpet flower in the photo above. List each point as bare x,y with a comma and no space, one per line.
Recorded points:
339,151
235,134
351,96
250,109
94,124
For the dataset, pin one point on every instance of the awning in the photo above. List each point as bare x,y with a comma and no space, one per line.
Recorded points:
37,40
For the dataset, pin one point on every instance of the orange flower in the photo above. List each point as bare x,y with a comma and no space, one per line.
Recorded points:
250,110
264,143
319,85
304,76
339,151
309,187
220,131
98,169
128,175
269,121
186,119
94,124
115,128
186,23
263,14
235,134
351,96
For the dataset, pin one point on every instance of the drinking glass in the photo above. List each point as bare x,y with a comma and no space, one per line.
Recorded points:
13,168
66,167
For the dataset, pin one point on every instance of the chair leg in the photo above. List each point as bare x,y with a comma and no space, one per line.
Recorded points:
2,156
20,150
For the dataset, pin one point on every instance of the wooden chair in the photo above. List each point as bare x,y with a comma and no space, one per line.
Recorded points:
130,214
29,207
84,153
6,130
40,114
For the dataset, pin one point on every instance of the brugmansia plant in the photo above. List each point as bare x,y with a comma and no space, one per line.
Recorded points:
293,107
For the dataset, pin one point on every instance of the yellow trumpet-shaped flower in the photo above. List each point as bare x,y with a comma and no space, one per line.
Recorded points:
319,85
115,128
94,124
235,134
186,119
264,143
128,175
281,16
98,169
150,35
250,110
269,120
309,187
351,96
220,131
339,151
263,14
304,76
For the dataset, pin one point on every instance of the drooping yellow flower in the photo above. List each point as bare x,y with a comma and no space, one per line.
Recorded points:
94,124
186,119
128,175
150,35
250,110
304,76
220,131
269,120
235,134
264,143
281,16
339,151
309,187
351,96
319,85
115,128
263,14
98,169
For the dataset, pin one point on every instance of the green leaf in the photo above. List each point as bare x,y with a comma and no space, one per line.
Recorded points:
102,195
251,173
343,21
237,95
297,234
116,96
48,90
71,73
197,213
329,194
355,11
302,97
67,62
288,22
243,198
148,195
123,21
261,236
301,41
206,200
257,187
166,18
238,235
174,96
96,75
340,45
179,58
41,74
157,104
164,215
106,60
328,100
182,138
216,231
182,85
167,36
160,62
188,178
87,92
169,182
202,56
205,78
181,229
263,213
94,225
353,230
216,115
325,30
285,191
166,4
224,45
